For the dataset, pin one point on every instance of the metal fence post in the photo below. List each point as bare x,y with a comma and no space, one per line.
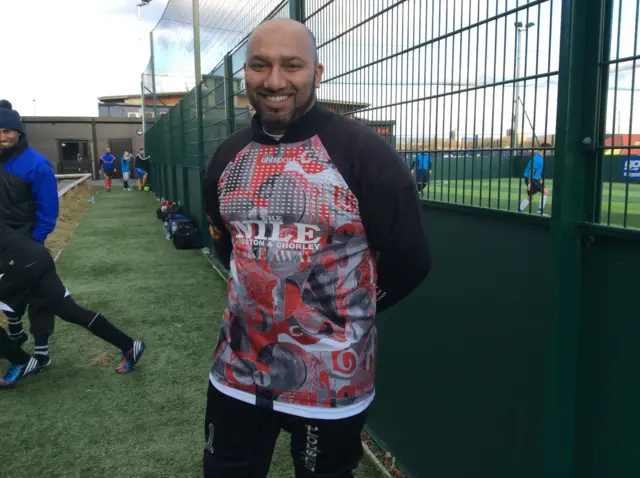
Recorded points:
198,74
229,96
581,40
153,80
202,162
297,10
144,120
183,164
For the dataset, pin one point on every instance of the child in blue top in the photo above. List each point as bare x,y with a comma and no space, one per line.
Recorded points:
125,167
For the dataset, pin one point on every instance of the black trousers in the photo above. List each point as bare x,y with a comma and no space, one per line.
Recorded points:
240,439
28,277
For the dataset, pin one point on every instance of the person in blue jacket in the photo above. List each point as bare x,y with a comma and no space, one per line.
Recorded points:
28,213
534,180
125,167
28,200
421,170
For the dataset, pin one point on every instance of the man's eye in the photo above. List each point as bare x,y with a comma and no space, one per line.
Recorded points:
294,66
258,66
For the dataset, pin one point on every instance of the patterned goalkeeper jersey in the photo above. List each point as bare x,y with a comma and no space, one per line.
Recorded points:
300,222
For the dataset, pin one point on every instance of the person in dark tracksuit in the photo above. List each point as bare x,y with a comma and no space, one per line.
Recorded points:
142,169
27,272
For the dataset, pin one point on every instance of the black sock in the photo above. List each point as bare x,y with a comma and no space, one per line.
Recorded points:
11,351
126,184
69,311
41,348
102,328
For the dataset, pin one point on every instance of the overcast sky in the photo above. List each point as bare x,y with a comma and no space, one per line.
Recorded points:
67,53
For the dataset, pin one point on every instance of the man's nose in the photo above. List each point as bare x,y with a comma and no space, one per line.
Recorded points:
276,80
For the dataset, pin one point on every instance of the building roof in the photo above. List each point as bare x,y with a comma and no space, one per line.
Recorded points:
622,140
111,99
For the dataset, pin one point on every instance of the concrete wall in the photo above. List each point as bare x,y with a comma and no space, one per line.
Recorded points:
44,133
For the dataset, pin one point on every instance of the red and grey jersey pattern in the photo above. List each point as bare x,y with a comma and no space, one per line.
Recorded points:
321,230
299,326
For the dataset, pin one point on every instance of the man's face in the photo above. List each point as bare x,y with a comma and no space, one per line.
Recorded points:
8,138
108,150
281,75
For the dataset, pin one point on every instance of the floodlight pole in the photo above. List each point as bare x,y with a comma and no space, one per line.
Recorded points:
153,81
142,101
198,73
515,122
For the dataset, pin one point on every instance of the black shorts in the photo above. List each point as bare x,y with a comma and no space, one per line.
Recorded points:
108,173
536,186
28,277
240,439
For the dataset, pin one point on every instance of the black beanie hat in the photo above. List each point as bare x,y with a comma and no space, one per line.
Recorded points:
9,118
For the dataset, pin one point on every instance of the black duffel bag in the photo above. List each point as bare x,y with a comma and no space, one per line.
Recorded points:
186,235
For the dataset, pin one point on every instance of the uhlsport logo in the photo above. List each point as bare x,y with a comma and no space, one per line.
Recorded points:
305,157
631,167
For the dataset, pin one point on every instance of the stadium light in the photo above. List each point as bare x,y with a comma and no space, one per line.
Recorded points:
520,29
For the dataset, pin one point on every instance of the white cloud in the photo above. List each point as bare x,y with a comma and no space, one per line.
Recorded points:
67,53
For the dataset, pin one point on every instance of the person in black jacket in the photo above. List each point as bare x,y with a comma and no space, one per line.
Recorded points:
142,169
28,204
28,276
320,225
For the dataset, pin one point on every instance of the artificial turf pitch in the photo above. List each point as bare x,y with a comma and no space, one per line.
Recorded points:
620,206
79,418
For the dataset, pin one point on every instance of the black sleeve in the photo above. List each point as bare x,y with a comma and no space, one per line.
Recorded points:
220,234
393,220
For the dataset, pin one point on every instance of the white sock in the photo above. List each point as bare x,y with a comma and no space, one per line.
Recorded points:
543,202
524,204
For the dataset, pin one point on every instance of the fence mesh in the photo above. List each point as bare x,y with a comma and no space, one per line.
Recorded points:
467,92
470,84
223,24
619,145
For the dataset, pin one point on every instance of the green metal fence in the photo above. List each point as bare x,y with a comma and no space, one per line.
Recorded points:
518,355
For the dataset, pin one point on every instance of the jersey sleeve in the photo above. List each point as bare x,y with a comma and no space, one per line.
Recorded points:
225,153
44,188
394,223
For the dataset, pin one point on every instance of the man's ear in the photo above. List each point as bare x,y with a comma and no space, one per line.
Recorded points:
319,73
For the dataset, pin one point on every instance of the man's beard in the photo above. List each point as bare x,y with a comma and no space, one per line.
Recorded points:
281,123
8,146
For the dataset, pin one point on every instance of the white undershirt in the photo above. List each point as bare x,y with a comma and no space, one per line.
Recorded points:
321,413
277,137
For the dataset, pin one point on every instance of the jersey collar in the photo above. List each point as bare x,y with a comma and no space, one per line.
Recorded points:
307,126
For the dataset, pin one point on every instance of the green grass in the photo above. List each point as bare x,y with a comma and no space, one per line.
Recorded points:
507,193
77,419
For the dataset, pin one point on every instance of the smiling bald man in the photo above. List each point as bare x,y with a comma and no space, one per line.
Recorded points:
319,223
